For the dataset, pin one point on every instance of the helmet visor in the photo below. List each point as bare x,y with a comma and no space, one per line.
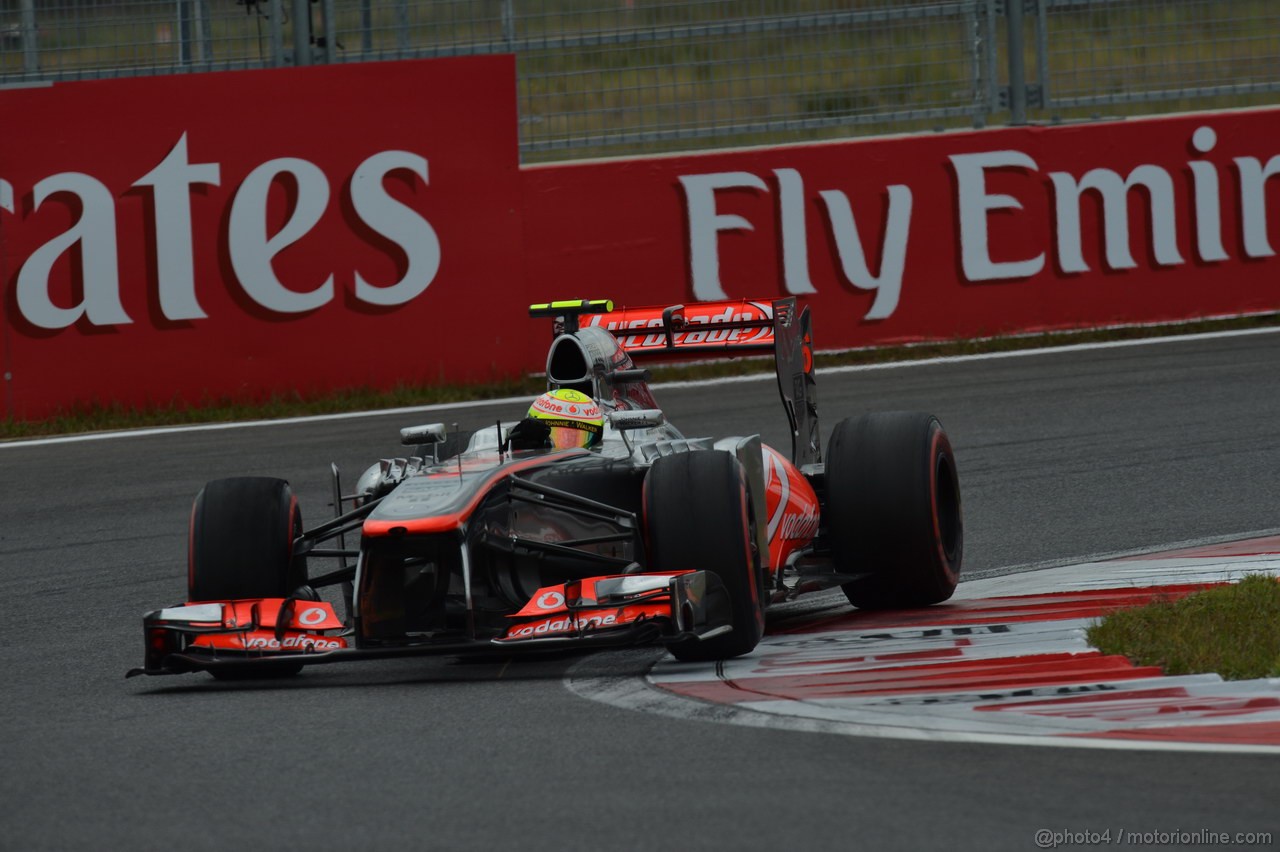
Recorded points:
567,434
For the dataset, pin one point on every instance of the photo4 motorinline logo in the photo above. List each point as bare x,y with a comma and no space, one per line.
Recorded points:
1051,839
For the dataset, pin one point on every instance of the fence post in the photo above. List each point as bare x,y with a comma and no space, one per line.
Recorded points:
184,32
276,22
30,45
1038,96
979,29
366,27
301,32
1017,63
330,52
204,31
402,25
508,23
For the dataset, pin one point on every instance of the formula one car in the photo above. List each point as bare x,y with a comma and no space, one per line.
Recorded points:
505,540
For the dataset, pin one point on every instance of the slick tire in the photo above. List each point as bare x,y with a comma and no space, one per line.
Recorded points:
697,516
241,546
893,509
241,542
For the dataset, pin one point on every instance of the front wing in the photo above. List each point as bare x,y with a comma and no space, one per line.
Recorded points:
279,634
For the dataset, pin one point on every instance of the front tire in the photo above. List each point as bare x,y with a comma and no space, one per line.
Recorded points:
697,515
241,546
893,509
241,542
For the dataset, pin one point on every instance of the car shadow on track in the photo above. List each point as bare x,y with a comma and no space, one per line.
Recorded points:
421,671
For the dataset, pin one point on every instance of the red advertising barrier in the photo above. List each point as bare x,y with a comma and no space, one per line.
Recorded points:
195,237
932,237
239,234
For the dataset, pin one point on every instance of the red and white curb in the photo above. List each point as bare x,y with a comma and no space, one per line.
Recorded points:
1006,660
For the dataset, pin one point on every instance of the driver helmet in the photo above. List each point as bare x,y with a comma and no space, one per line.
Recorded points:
573,418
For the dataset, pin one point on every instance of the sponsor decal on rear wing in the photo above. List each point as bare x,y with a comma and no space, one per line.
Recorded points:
704,327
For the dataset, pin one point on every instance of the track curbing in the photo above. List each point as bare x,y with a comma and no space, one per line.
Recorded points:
1005,662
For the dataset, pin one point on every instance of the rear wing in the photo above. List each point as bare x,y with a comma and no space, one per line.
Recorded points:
715,328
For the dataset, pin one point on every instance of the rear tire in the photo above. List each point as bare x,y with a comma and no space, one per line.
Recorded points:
893,508
697,516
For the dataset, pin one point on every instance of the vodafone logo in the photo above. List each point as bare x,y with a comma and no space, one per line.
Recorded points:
709,334
579,405
302,643
550,600
800,525
562,624
312,616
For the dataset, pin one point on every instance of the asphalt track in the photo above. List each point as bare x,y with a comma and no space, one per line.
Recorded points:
1061,455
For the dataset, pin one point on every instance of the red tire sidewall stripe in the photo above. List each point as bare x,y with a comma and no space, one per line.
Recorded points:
741,484
936,450
191,543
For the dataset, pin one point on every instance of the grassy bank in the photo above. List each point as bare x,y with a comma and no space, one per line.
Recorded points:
88,418
1232,630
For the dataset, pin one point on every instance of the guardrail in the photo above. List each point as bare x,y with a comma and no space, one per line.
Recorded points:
626,76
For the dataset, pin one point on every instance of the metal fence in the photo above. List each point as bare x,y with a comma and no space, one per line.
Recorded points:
624,76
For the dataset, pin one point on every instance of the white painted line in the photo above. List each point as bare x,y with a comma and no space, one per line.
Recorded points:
984,356
726,380
1116,555
1119,574
244,424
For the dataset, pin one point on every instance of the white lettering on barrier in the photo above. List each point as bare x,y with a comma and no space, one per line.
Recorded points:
252,249
171,183
94,237
705,224
975,203
1115,214
1253,202
398,223
974,206
795,252
95,234
853,260
1208,206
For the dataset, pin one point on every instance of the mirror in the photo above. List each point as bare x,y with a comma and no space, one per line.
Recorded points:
430,433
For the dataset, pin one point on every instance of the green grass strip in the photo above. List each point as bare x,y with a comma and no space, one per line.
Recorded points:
1232,630
91,417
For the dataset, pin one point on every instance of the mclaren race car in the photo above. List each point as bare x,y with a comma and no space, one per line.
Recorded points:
627,532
